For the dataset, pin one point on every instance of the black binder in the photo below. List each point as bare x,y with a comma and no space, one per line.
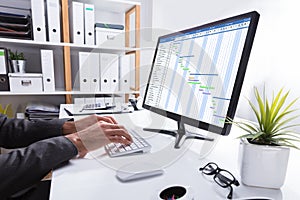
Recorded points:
4,82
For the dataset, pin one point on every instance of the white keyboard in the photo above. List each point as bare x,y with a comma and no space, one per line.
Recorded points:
96,106
139,145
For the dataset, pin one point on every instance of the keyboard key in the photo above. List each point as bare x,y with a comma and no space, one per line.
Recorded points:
139,144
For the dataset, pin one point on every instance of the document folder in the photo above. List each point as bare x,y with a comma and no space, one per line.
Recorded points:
38,20
109,64
89,72
77,23
48,70
125,66
4,82
89,24
53,17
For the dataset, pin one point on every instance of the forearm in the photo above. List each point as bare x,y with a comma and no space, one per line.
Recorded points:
15,133
22,169
76,140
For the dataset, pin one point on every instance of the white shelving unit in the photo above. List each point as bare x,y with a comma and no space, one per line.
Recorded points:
31,43
62,92
122,7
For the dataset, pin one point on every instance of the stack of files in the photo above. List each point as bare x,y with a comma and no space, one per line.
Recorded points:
39,110
15,26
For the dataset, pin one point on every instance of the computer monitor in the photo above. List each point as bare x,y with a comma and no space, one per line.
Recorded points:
197,75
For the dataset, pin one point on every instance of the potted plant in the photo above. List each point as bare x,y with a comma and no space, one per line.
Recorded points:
18,61
264,149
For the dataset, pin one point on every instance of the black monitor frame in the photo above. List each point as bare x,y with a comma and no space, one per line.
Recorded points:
254,16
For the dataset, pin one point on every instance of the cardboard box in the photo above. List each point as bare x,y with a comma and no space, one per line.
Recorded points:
26,82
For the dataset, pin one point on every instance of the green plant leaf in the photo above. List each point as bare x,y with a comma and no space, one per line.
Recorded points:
256,112
246,136
286,142
287,133
280,125
284,113
274,105
261,108
257,135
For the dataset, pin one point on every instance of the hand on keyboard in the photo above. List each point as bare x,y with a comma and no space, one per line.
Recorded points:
138,145
98,135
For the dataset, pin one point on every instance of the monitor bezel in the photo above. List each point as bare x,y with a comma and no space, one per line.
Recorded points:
254,17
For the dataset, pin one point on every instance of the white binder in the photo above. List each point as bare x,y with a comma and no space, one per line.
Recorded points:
84,81
94,66
114,74
53,17
125,67
77,23
109,64
89,24
48,70
89,72
38,20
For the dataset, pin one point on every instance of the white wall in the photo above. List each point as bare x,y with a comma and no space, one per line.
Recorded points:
274,59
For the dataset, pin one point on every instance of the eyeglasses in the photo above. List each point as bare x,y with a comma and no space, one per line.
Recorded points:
221,176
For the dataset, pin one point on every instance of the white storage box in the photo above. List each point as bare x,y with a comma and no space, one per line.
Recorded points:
25,82
110,37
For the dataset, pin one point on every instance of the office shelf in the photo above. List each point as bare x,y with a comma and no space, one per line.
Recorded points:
62,92
66,48
104,49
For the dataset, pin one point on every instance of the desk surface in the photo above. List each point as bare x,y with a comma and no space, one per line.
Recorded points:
94,176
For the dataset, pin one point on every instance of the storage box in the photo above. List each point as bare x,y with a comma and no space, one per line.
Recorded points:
110,37
25,82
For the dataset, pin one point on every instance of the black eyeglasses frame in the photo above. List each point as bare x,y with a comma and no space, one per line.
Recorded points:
217,172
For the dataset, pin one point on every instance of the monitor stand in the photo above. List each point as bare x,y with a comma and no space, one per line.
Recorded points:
179,134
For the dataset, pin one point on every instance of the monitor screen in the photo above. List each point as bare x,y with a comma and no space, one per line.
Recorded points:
197,74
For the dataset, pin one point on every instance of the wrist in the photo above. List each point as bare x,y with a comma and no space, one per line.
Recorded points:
68,128
75,139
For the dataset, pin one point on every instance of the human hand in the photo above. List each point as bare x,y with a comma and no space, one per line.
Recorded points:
98,135
78,125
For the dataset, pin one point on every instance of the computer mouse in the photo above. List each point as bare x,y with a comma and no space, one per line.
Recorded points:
138,170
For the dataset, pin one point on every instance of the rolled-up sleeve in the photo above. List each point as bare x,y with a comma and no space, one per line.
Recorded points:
20,169
16,133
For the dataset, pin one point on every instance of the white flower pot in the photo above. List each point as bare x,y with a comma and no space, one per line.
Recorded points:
263,165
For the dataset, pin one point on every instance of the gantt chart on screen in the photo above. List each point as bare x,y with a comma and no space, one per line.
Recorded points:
194,72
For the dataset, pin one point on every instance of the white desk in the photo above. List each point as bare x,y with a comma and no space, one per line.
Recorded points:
95,178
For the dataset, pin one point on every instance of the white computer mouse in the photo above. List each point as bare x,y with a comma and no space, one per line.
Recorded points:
138,170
